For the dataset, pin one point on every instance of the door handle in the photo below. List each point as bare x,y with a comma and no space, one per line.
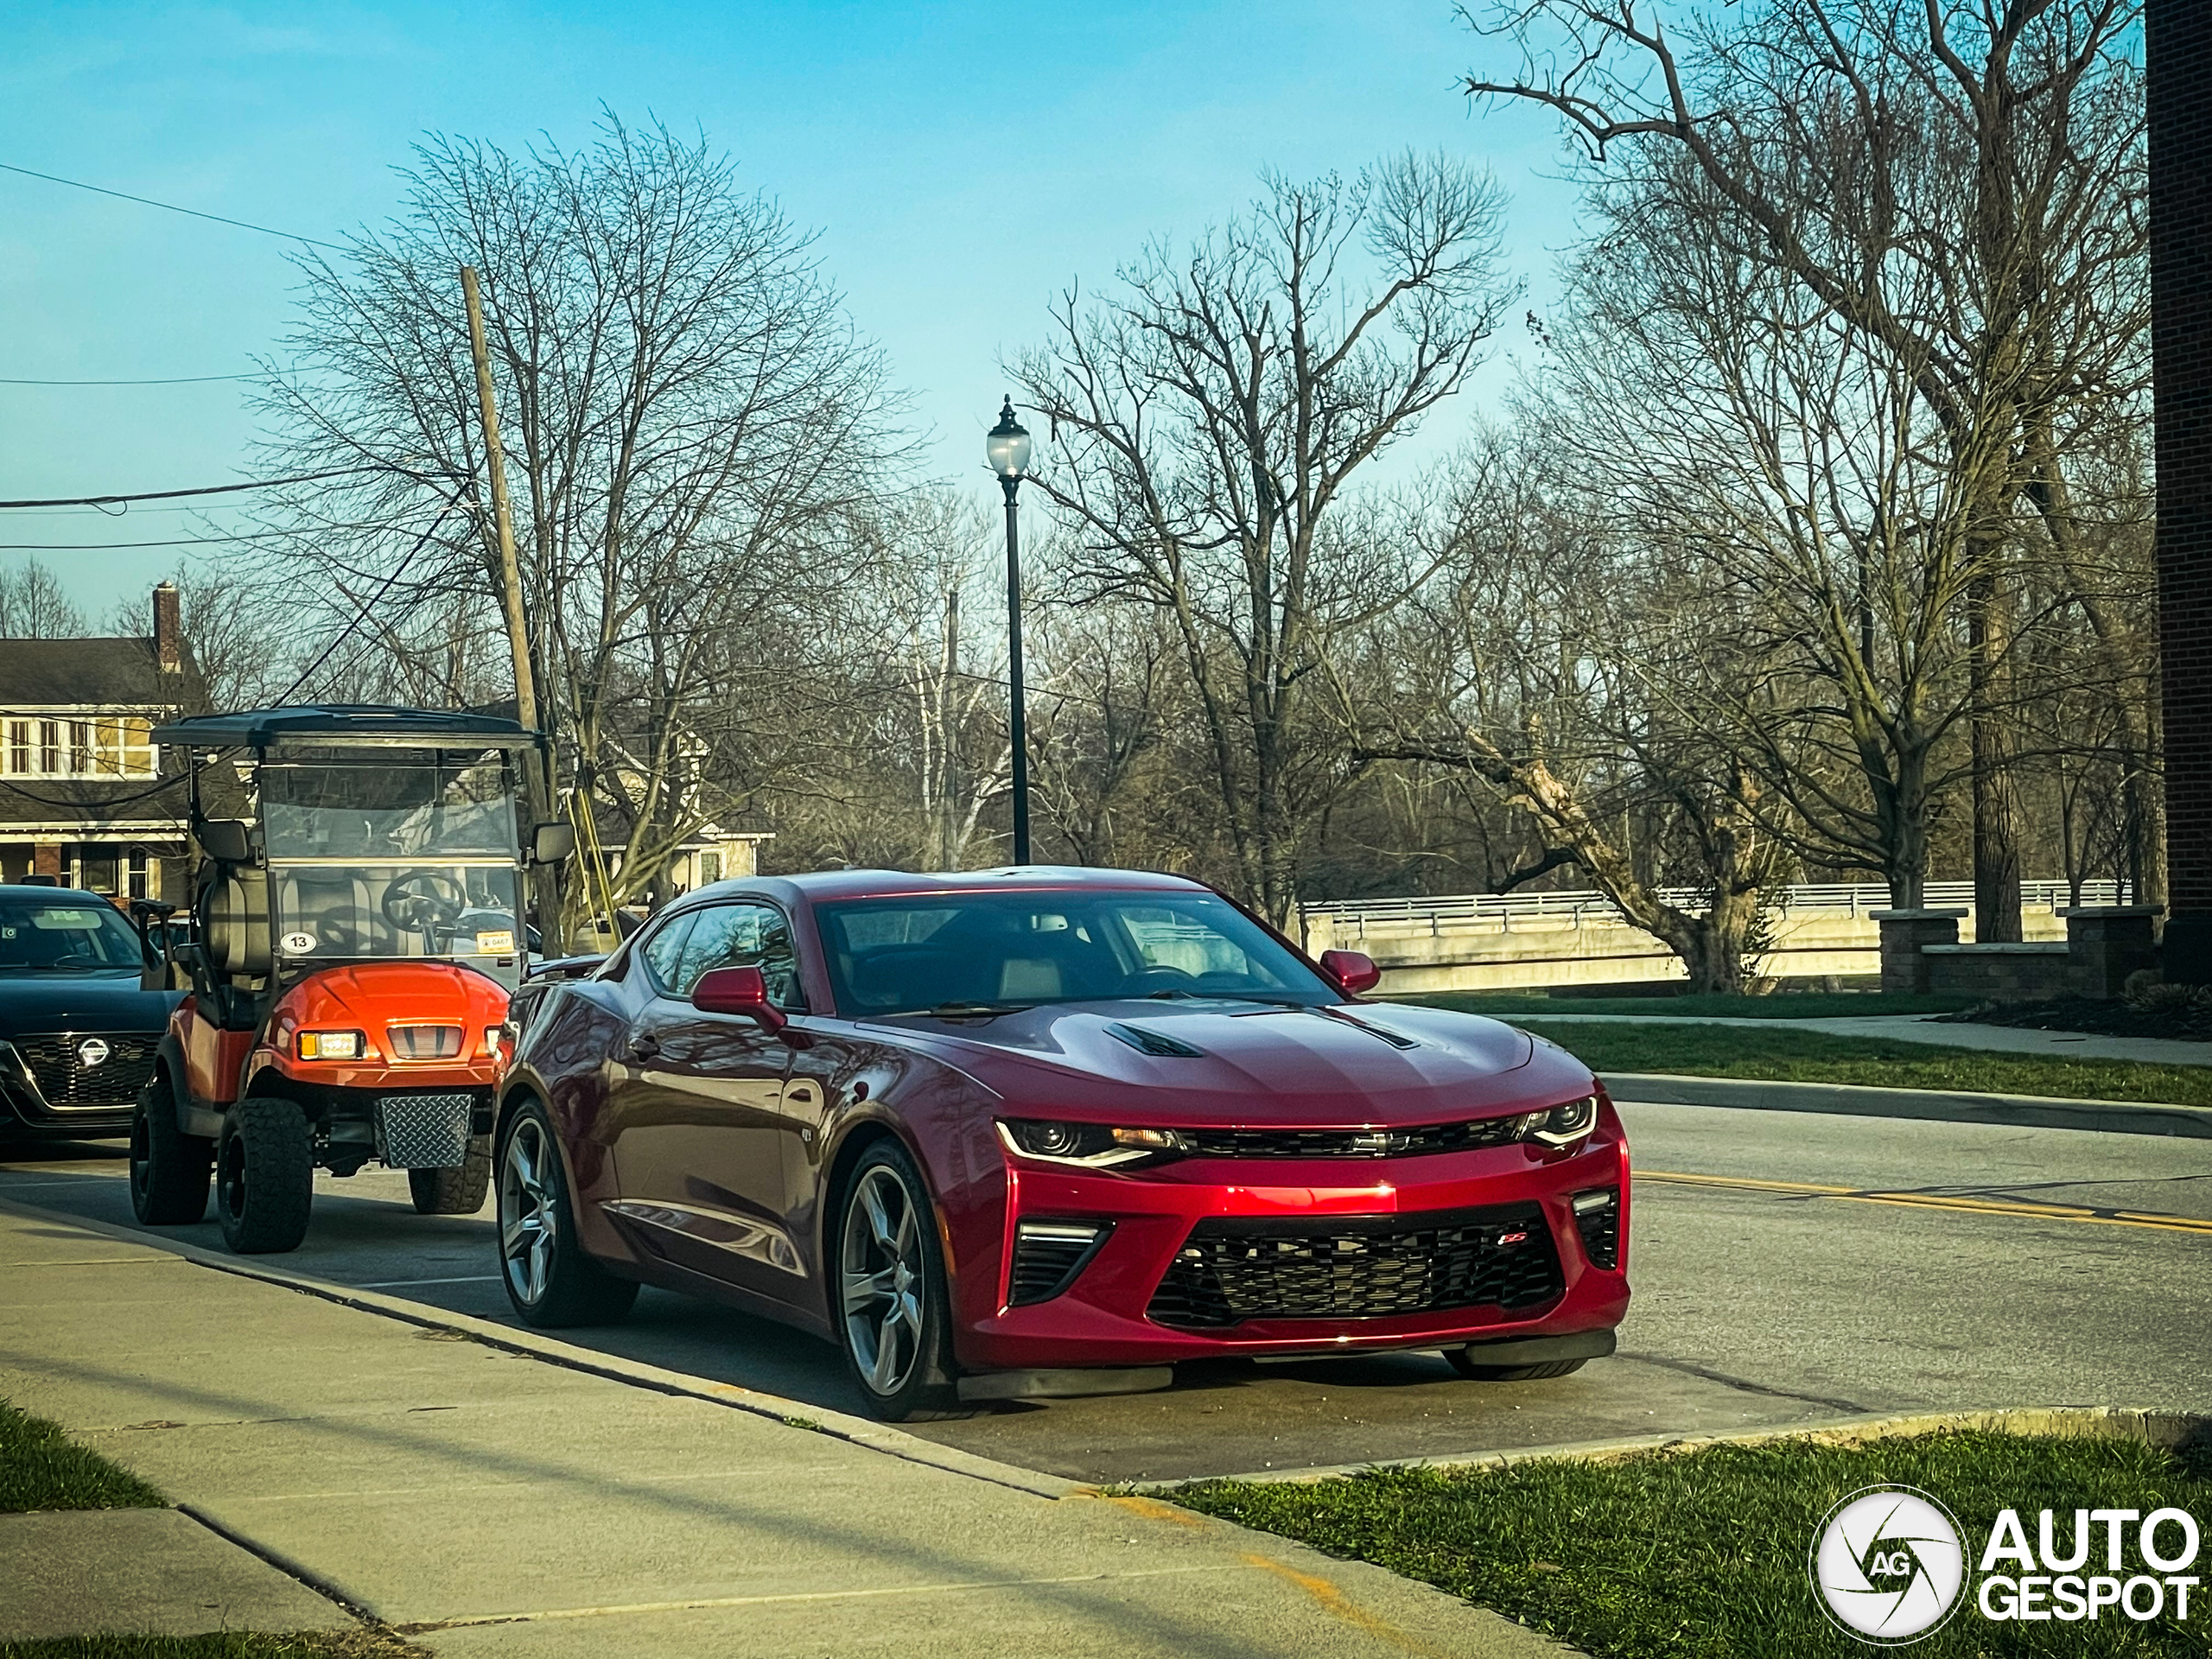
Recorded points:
643,1047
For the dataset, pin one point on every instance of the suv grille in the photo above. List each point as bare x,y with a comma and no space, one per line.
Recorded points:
57,1063
1361,1267
1352,1143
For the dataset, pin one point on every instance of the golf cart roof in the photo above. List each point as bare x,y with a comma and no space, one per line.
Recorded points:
349,723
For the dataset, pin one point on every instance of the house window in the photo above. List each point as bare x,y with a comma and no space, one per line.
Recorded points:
19,746
80,749
49,746
141,886
710,868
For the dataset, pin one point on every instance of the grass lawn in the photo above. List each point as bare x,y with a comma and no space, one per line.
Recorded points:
1704,1552
42,1468
1782,1005
1816,1056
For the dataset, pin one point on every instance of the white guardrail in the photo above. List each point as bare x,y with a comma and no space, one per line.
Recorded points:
1498,912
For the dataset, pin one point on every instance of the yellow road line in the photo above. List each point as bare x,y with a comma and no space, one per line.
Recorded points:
1965,1202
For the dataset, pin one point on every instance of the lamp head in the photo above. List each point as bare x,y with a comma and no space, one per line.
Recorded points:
1007,446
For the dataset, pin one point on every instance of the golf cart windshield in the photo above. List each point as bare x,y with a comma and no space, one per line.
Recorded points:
372,859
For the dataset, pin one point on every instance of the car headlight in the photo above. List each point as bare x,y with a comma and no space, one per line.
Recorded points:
332,1045
1093,1145
1562,1126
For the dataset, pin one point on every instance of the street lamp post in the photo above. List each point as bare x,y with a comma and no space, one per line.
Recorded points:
1008,449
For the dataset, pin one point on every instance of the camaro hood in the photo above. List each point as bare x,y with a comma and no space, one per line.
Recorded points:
34,1003
1245,1064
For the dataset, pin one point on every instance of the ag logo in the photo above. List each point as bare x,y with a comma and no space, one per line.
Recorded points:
92,1052
1888,1564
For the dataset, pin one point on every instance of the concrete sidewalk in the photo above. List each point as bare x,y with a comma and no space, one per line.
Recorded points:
486,1502
1925,1028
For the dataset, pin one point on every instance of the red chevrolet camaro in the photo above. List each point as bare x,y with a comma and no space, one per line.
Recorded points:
1047,1131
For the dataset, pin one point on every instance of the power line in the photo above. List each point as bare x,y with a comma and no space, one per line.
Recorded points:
210,489
181,380
187,541
170,206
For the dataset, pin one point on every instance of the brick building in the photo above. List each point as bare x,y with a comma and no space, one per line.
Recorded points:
85,799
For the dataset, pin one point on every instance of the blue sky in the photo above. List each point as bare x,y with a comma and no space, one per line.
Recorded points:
961,164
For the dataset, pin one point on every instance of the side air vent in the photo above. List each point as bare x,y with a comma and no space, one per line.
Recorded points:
1048,1254
1154,1042
1598,1218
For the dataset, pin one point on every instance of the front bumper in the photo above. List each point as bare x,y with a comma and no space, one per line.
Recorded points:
1114,1313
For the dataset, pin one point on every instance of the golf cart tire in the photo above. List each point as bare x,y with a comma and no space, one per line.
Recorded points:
264,1177
169,1169
455,1191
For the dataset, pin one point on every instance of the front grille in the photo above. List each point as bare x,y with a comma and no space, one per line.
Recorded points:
1415,1142
57,1064
1364,1266
1047,1255
425,1042
424,1131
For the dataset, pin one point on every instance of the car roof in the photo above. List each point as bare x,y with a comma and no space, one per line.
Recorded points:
325,723
820,885
11,889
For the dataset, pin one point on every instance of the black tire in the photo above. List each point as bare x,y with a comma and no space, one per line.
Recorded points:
918,1379
168,1168
1466,1367
551,1279
264,1177
455,1191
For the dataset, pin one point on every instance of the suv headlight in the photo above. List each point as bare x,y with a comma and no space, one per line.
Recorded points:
1562,1126
1092,1146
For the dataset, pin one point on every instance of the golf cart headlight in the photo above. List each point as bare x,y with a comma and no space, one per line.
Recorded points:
331,1045
1094,1145
1562,1126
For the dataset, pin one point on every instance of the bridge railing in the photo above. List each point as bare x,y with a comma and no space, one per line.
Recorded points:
1498,912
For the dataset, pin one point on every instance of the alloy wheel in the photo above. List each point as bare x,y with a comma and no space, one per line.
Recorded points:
527,1222
881,1273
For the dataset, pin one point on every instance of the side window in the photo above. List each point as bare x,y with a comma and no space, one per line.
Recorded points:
663,951
742,936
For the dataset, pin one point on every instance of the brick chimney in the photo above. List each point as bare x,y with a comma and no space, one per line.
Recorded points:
169,629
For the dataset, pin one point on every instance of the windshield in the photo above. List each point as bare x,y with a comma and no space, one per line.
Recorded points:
360,809
61,936
346,911
908,955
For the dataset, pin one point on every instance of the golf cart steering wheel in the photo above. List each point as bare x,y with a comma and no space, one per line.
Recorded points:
419,900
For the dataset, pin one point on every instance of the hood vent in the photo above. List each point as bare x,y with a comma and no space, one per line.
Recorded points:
1154,1042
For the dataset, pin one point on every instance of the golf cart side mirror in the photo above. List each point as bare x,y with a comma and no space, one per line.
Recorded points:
737,990
551,843
1353,969
227,841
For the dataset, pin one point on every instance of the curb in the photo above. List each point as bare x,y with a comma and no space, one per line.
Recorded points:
2017,1111
2167,1429
860,1431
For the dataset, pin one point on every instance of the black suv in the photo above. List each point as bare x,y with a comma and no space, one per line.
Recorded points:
76,1029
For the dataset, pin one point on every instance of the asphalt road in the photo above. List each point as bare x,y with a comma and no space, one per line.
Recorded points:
1787,1267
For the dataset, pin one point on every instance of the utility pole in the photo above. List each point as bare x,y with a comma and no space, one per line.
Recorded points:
538,786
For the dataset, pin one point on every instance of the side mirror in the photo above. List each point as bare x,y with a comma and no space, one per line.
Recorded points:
1353,969
552,843
227,841
737,990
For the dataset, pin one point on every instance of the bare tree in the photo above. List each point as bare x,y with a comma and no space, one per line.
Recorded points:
35,605
1212,421
692,424
1956,182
